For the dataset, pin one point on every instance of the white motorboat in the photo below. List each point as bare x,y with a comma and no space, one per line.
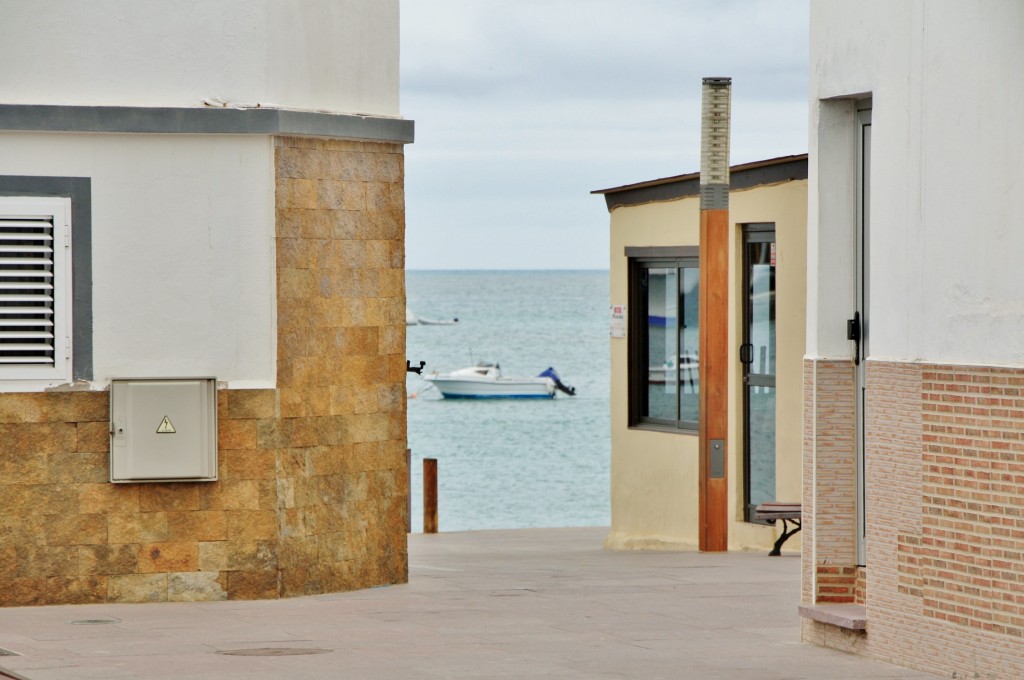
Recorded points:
412,320
485,381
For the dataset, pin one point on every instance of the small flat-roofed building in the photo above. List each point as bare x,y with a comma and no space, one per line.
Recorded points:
655,353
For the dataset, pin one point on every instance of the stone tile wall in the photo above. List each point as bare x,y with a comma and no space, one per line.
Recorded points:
312,487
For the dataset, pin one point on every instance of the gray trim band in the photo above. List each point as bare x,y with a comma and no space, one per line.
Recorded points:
138,119
673,252
653,194
714,197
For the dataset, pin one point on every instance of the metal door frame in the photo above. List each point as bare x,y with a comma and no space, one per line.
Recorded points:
761,232
862,306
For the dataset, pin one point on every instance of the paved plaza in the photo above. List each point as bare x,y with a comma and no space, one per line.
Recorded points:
526,603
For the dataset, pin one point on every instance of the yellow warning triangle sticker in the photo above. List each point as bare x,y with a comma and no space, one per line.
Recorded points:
165,427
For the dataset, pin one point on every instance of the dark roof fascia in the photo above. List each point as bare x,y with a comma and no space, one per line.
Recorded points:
742,176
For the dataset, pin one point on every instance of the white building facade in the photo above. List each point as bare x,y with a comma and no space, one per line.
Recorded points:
203,189
169,110
913,411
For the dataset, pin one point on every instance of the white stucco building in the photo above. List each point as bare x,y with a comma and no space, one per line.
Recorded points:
913,463
169,112
202,189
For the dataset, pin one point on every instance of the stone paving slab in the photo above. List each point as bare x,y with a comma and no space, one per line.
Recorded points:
491,604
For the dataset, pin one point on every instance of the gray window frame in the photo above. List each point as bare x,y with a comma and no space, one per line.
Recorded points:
79,190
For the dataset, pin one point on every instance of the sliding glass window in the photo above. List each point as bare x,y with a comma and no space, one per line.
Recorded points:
663,341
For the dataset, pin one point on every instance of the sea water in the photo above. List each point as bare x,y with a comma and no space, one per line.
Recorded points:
512,463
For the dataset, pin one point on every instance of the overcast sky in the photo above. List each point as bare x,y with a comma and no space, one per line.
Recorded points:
523,107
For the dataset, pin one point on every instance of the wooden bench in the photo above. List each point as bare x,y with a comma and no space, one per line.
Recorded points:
786,512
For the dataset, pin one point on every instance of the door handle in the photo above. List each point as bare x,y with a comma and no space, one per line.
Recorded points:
853,332
746,353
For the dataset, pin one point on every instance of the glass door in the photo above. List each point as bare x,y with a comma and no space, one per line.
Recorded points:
863,327
757,354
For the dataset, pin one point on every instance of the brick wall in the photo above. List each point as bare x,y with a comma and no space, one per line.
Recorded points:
835,584
312,482
829,482
971,555
945,502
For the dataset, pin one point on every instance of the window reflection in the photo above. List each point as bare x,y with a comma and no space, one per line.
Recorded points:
666,382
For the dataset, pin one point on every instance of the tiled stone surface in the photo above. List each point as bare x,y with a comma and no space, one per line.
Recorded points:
312,481
528,603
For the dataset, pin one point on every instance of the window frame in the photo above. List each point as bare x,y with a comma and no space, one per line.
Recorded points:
57,210
639,259
79,190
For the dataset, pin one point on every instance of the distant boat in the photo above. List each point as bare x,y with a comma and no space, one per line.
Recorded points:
485,381
413,320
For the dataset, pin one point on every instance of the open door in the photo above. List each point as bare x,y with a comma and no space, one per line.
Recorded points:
757,356
859,328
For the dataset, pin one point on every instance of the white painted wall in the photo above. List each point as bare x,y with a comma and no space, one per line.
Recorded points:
332,55
947,178
182,249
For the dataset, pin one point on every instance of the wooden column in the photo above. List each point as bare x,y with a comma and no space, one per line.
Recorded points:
713,364
714,379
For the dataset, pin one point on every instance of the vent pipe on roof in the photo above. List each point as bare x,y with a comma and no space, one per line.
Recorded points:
714,143
713,365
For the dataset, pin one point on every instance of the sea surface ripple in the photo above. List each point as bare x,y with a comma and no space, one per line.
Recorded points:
506,464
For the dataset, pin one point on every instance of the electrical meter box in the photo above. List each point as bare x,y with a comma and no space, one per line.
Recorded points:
163,430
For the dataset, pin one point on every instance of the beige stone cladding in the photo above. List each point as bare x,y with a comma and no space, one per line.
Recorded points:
341,364
829,482
807,561
312,485
829,571
945,520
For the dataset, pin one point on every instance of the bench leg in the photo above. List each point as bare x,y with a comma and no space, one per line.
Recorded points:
786,533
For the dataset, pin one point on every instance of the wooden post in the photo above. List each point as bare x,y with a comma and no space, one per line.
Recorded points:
714,386
713,367
430,495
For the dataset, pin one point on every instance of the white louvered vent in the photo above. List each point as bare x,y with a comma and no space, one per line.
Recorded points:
34,275
26,291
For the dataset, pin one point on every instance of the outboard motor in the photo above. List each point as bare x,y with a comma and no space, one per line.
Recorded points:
550,373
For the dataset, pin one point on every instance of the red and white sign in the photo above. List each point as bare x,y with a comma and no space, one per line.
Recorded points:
618,326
